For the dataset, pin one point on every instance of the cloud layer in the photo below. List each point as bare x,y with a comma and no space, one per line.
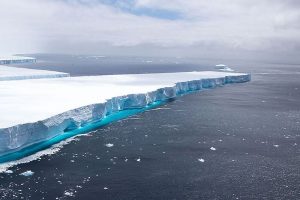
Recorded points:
194,27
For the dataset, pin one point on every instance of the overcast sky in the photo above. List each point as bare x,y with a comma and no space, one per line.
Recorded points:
201,28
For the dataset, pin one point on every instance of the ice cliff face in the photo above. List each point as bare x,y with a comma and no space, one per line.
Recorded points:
15,138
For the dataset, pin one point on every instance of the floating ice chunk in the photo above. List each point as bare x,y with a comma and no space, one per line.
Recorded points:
8,171
213,148
27,173
223,67
69,193
109,145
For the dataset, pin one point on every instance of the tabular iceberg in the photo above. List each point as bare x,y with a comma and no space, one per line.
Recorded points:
8,73
53,107
5,60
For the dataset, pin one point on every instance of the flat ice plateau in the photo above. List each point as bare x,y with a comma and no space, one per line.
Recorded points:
37,110
14,73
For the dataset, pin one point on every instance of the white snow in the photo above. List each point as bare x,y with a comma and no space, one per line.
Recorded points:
14,73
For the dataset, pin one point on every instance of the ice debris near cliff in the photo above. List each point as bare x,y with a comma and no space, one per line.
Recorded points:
37,110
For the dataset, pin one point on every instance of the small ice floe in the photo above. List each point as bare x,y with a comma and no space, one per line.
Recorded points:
109,145
27,173
201,160
105,188
223,67
138,160
276,145
8,171
69,193
213,148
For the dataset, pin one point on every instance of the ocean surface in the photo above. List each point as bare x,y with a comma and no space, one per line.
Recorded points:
240,141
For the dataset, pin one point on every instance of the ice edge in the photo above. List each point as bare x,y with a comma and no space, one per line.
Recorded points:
15,138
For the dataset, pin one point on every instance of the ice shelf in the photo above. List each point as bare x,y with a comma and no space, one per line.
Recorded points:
5,60
8,73
37,110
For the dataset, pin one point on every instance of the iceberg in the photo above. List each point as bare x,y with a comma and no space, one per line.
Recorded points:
8,73
40,112
5,60
224,68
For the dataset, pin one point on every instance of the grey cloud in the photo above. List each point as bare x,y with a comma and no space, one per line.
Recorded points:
224,28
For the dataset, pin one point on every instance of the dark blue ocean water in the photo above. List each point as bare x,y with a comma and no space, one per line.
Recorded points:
248,136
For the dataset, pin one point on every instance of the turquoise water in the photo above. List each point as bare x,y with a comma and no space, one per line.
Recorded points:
29,150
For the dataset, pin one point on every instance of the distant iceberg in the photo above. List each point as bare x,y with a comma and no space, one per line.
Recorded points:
224,68
6,60
8,73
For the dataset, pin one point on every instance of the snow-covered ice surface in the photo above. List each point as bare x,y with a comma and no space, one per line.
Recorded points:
4,60
37,110
13,73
